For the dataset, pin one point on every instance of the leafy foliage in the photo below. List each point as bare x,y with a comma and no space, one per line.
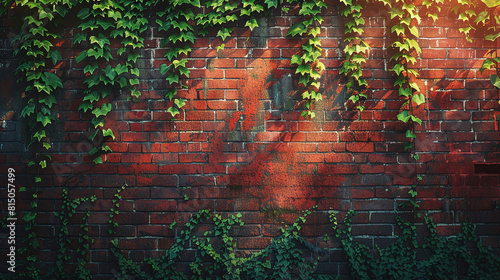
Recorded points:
410,257
309,67
354,51
217,255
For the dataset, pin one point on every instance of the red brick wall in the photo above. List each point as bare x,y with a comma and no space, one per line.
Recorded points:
240,145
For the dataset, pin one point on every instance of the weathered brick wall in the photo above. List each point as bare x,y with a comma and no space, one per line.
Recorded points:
240,145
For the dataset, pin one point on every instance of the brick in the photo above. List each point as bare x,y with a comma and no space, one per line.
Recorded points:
322,136
156,205
359,147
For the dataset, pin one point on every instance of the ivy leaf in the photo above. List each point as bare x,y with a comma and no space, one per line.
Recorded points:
409,134
403,116
491,3
172,78
43,44
184,71
303,69
98,160
48,100
414,31
173,111
133,57
314,31
398,68
29,216
108,132
55,55
90,68
39,135
44,119
495,80
81,56
85,106
418,98
486,65
164,69
46,145
134,82
416,119
251,23
224,33
43,163
171,93
482,17
120,69
271,3
103,111
180,102
123,82
135,71
404,92
83,13
492,37
297,29
398,29
110,72
413,44
296,59
28,109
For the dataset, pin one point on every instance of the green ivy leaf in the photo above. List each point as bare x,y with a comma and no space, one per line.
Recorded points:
224,33
108,133
44,119
30,215
403,116
55,55
98,160
297,29
495,80
409,134
491,3
172,78
492,37
48,100
404,91
102,111
303,69
251,23
164,69
28,109
180,102
110,72
398,29
398,68
487,64
170,93
418,98
81,56
85,106
46,145
173,111
39,135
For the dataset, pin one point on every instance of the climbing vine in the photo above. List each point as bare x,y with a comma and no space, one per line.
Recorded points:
444,258
355,51
108,70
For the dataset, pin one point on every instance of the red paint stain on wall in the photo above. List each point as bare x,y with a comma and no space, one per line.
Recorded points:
253,88
274,177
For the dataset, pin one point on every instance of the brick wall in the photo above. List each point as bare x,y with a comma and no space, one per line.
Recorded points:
240,144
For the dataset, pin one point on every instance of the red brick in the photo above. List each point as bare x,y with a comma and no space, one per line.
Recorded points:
322,136
360,147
